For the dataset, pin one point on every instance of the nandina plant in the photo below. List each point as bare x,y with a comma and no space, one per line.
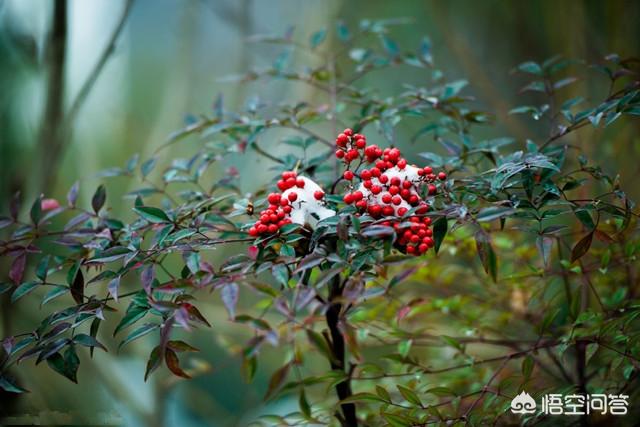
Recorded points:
384,271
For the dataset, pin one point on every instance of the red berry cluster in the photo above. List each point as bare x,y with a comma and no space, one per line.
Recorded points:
388,189
277,213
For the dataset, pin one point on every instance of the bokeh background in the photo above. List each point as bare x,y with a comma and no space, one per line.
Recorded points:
168,62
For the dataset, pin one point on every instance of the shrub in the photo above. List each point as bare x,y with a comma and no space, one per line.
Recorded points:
363,259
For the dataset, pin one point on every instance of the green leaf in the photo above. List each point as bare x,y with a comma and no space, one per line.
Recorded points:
151,214
305,408
88,341
527,367
440,227
155,360
494,212
23,290
54,293
363,397
133,314
486,254
409,395
390,46
317,38
138,333
9,385
530,67
98,199
36,210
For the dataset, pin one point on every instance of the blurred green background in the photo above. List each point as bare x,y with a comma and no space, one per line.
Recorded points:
169,61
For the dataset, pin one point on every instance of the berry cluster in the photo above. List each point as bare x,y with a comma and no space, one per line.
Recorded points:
380,183
389,188
301,202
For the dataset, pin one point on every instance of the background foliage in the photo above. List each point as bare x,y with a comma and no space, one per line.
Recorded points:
438,292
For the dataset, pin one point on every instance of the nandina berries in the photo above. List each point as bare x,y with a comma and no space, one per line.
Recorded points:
390,188
379,183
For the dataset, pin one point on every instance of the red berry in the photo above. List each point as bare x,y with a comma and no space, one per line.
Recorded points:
386,198
375,210
405,193
274,198
262,228
291,182
402,163
281,185
411,249
376,189
427,170
353,154
273,217
383,179
272,228
414,238
375,172
348,198
365,174
423,248
300,182
362,204
428,241
348,175
396,200
426,221
284,201
293,196
432,189
394,189
402,211
406,184
318,195
387,210
442,176
342,140
287,209
339,154
253,231
357,195
361,143
347,132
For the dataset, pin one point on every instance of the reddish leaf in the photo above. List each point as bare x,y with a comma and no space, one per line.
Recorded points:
17,268
277,379
582,247
173,363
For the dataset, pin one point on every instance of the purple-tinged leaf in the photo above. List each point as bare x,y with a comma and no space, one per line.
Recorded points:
16,273
147,276
98,199
229,294
113,286
72,195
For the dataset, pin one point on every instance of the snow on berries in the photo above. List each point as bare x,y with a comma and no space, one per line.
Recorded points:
301,202
389,188
380,184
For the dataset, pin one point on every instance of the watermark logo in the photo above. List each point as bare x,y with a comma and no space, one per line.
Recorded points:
572,404
523,404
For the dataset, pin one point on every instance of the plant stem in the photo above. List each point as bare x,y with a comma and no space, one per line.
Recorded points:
343,389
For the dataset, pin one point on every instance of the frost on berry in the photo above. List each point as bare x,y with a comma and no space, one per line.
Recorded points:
301,202
380,183
389,189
